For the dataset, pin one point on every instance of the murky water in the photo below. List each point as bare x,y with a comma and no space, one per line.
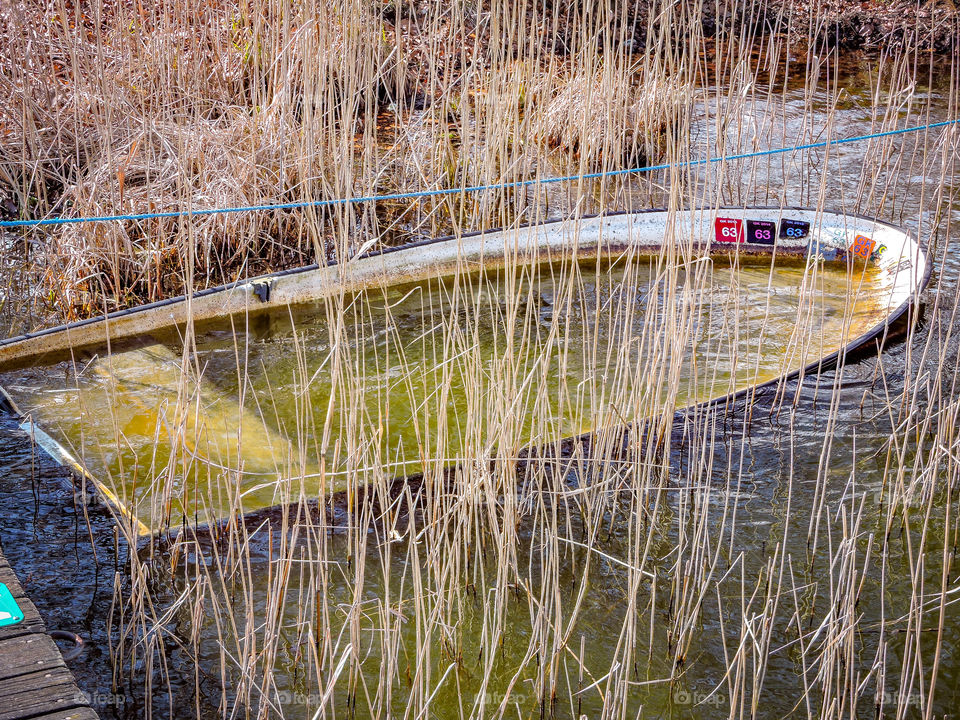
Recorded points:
783,493
397,381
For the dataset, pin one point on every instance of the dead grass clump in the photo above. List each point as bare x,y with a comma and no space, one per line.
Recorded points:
231,161
931,25
607,118
126,108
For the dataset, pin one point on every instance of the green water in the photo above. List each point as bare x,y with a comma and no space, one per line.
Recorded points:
385,383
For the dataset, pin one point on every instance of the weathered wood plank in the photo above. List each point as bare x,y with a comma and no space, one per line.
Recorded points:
30,626
34,681
9,578
36,693
31,618
27,654
80,713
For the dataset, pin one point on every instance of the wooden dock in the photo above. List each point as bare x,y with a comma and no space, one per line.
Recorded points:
34,681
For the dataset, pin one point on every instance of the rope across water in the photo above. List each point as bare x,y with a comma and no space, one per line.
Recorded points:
474,188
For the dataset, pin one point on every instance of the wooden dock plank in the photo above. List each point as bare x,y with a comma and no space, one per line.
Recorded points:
80,713
38,693
35,682
31,618
28,654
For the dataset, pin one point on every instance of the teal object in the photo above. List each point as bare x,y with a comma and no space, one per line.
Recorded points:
10,612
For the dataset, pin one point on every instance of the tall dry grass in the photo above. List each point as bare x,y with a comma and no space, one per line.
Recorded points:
474,592
126,108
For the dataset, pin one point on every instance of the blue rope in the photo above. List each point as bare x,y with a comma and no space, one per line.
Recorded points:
475,188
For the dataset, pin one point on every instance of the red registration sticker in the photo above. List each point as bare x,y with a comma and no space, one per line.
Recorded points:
862,246
729,230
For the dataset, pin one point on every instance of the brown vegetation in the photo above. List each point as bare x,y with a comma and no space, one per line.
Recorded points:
115,107
122,110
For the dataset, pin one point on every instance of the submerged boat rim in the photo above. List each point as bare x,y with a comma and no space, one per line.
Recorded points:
737,233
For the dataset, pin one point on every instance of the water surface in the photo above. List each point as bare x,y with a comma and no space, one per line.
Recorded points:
392,382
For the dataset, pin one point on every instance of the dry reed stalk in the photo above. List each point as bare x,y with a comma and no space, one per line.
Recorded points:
479,595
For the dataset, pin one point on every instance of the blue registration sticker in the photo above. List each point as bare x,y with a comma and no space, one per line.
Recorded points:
819,248
761,232
794,229
10,612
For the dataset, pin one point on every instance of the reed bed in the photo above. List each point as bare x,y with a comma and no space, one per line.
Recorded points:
656,569
134,110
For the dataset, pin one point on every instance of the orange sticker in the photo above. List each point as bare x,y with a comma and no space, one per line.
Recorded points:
862,246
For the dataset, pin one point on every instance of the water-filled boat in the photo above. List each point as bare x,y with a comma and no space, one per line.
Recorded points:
416,358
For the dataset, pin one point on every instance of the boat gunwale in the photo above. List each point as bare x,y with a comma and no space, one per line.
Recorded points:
388,250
